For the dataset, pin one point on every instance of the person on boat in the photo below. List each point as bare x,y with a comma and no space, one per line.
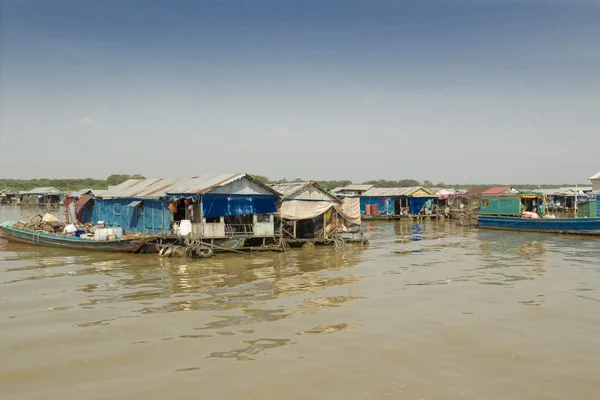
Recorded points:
72,213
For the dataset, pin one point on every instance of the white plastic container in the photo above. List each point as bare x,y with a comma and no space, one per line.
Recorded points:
118,233
100,234
110,232
185,228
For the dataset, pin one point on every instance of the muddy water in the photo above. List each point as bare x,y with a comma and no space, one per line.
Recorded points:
426,311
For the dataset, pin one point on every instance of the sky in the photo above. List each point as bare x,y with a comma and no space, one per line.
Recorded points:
459,91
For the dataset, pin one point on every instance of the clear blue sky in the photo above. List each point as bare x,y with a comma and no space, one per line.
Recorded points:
462,91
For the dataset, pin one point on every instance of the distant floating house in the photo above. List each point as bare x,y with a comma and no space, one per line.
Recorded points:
7,196
42,196
564,199
595,183
308,212
218,206
395,201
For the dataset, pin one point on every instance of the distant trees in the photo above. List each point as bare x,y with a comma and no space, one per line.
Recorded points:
427,184
401,183
114,180
261,178
330,185
20,185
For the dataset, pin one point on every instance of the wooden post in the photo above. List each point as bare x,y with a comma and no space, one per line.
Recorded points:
295,229
325,224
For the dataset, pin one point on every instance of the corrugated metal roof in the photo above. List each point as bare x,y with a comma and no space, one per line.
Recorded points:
597,176
576,188
43,190
496,190
477,190
358,187
98,192
392,192
79,192
157,188
8,191
290,189
548,192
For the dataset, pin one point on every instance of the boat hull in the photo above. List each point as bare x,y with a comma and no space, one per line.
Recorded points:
576,226
24,236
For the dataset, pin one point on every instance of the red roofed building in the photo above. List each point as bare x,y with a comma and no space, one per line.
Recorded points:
477,190
499,190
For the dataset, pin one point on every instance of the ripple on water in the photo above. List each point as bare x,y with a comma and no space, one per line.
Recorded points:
254,348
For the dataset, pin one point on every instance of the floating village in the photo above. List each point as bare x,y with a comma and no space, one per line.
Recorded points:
204,215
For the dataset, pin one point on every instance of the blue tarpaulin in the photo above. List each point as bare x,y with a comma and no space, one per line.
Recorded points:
416,204
217,205
385,205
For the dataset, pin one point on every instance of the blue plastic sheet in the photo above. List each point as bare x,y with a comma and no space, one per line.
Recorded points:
385,205
217,205
416,204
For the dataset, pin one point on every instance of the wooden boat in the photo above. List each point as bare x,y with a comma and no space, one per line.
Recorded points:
577,226
18,235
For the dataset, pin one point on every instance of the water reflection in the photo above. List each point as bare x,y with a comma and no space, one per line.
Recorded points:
427,287
169,285
254,348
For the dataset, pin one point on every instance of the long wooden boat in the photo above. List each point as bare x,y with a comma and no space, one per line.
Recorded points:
18,235
577,226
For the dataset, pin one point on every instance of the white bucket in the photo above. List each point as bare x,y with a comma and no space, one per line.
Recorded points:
185,228
118,232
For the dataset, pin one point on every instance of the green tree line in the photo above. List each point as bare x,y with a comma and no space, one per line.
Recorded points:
19,185
77,184
426,183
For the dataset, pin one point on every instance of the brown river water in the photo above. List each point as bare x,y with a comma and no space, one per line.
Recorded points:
425,311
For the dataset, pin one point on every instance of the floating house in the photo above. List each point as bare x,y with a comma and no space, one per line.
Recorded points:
595,183
42,196
217,206
513,204
307,212
7,196
444,198
565,199
396,202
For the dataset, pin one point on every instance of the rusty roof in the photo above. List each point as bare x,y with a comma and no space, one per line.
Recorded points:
157,188
496,190
291,189
477,190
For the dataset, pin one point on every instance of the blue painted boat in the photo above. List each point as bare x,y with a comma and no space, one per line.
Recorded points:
577,226
26,236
